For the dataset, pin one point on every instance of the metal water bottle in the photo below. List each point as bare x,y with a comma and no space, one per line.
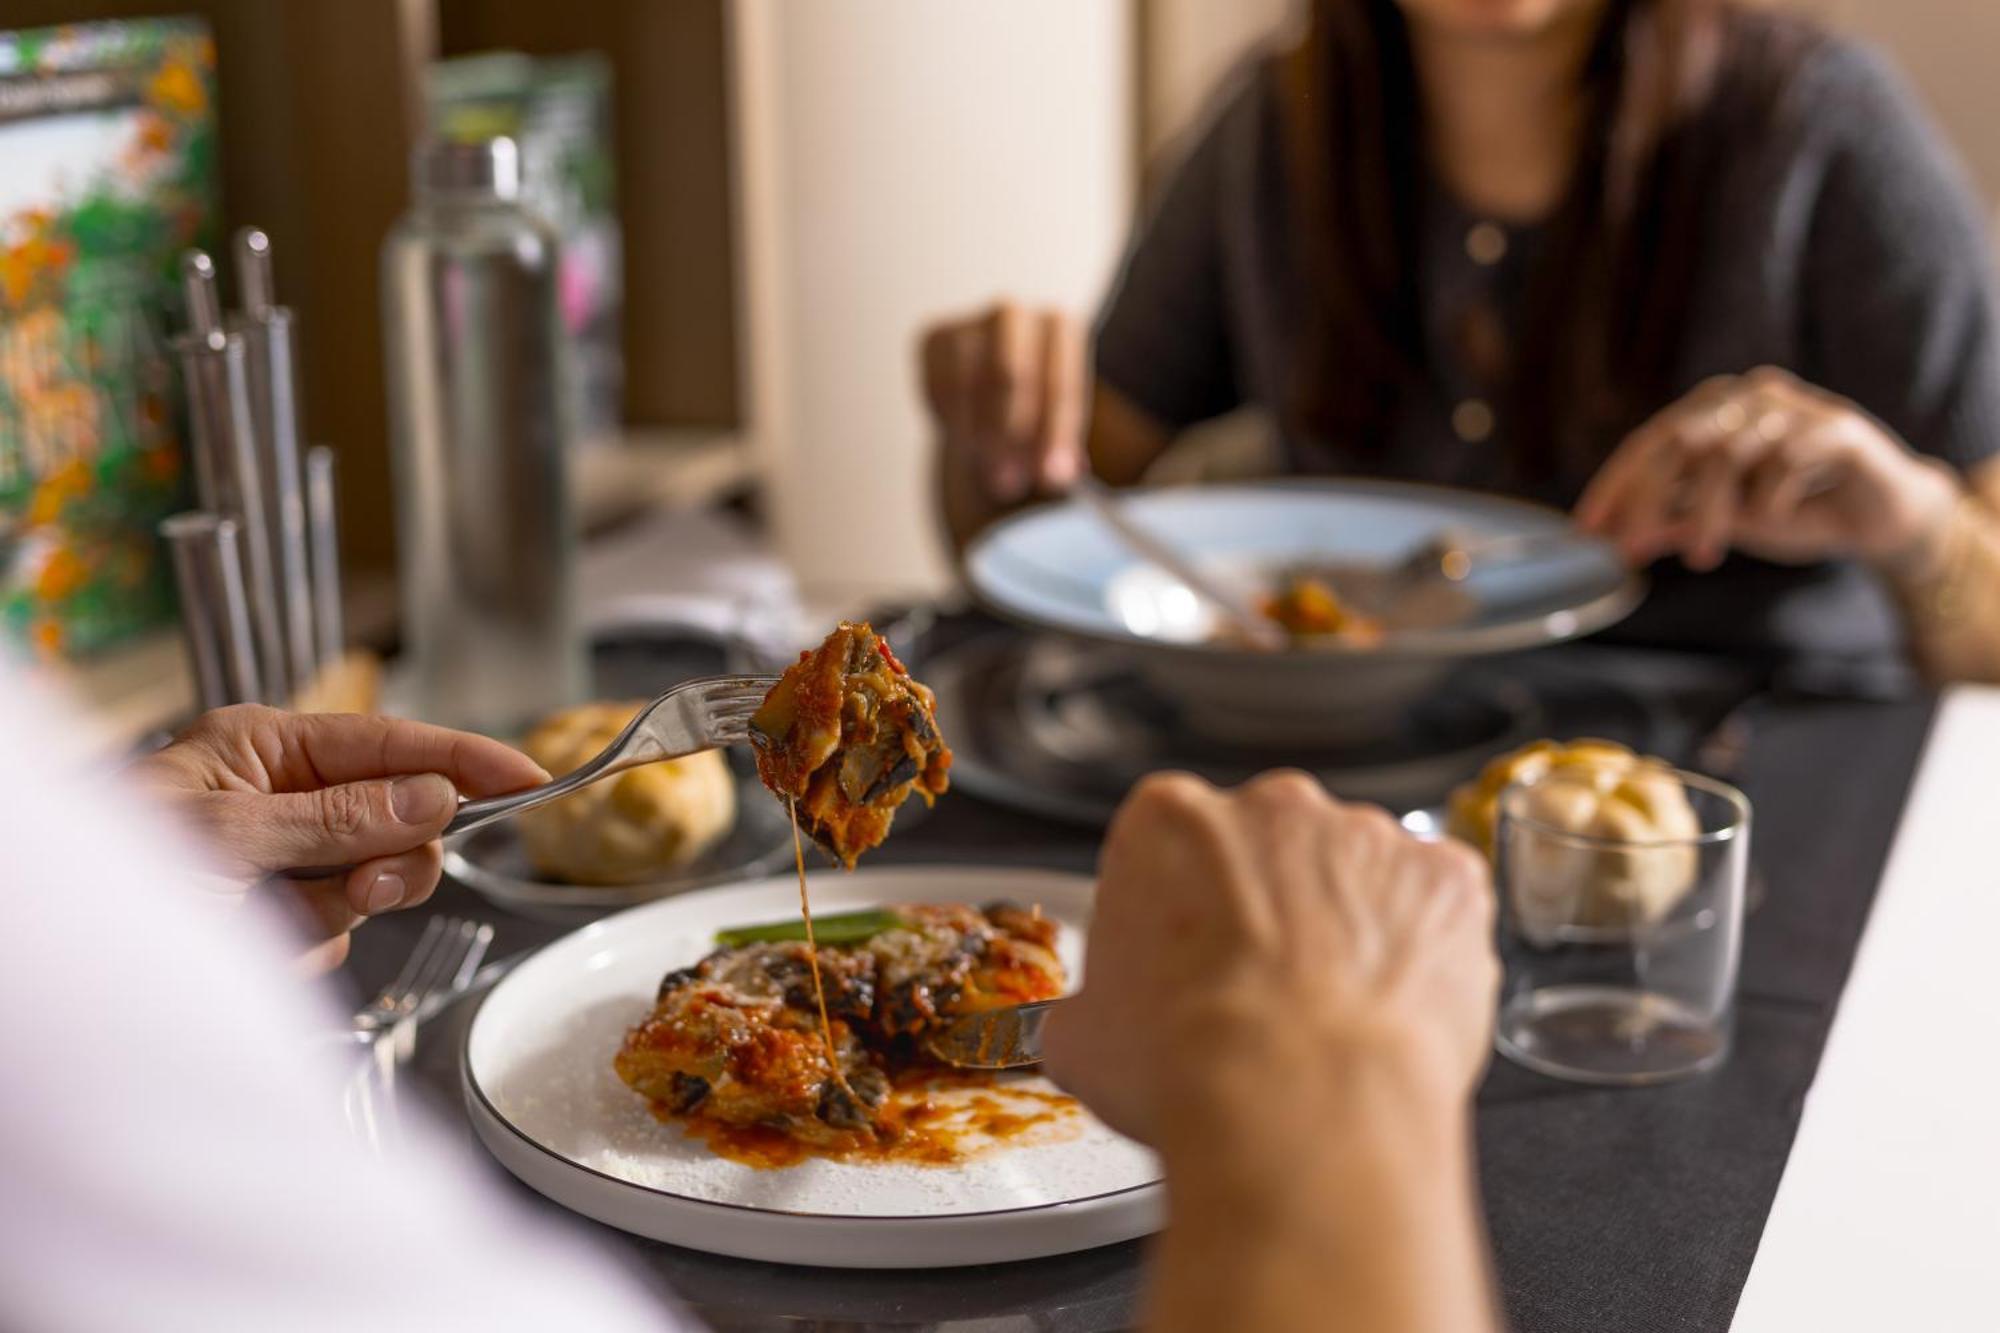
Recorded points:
484,521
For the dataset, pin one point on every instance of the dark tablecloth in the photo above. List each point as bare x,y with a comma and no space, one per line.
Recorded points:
1609,1209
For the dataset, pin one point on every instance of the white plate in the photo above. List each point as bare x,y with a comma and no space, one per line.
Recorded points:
541,1094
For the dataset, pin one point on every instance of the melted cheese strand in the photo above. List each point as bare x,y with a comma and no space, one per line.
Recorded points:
812,948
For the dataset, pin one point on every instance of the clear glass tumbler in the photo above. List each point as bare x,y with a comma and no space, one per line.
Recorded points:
1621,922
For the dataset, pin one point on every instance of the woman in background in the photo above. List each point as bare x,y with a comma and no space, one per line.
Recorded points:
1700,274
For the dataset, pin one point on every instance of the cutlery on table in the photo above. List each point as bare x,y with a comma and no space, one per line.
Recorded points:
446,959
1009,1038
1255,629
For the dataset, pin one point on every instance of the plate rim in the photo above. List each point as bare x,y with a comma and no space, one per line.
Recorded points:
554,896
1607,609
480,1104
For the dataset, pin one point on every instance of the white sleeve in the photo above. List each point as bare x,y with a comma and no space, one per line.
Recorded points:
172,1154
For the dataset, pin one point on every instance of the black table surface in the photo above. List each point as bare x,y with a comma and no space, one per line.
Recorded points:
1635,1210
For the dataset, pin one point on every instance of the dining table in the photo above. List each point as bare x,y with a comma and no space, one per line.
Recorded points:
1839,1171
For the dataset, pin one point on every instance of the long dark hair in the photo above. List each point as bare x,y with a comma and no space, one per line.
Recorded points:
1604,315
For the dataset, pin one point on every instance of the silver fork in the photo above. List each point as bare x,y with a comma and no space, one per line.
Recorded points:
699,715
444,962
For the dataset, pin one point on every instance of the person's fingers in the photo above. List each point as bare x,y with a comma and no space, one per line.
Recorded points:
1712,501
1782,478
1007,401
344,824
937,363
951,377
1631,469
1630,477
1059,435
305,751
1470,876
1598,509
391,883
1643,526
1281,814
1017,343
324,956
1359,889
320,906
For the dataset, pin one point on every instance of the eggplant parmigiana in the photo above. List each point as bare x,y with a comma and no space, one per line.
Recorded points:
846,735
734,1052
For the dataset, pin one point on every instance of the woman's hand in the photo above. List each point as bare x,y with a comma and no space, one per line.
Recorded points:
274,791
1252,937
1009,388
1774,467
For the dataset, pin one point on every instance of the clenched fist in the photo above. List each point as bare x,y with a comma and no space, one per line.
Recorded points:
1243,935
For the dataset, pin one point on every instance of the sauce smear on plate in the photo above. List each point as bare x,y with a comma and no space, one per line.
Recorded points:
932,1118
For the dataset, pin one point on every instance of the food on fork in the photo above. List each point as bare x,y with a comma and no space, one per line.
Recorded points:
629,827
846,735
1604,795
1307,607
733,1050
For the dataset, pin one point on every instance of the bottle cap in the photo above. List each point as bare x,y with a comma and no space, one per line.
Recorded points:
490,168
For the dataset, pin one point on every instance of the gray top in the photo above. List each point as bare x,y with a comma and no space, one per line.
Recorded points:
1846,246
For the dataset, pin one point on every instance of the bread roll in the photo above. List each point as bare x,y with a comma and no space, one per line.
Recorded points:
1599,791
628,828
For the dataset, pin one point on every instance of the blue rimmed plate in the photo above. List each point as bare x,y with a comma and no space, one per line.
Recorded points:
1059,569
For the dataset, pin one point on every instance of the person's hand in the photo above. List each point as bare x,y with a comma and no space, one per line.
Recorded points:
1771,466
1009,388
273,791
1274,925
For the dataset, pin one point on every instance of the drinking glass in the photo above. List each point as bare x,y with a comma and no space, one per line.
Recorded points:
1621,922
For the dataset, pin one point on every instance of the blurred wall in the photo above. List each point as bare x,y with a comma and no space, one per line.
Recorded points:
671,131
899,161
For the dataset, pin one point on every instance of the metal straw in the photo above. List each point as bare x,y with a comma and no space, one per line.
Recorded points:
215,612
225,442
270,360
321,523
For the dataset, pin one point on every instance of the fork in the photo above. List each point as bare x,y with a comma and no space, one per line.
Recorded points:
1009,1038
698,715
444,962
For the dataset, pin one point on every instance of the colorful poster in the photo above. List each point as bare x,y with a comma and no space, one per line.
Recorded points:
107,172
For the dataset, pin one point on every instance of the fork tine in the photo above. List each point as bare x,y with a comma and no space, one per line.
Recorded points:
418,960
434,963
455,941
726,687
476,946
